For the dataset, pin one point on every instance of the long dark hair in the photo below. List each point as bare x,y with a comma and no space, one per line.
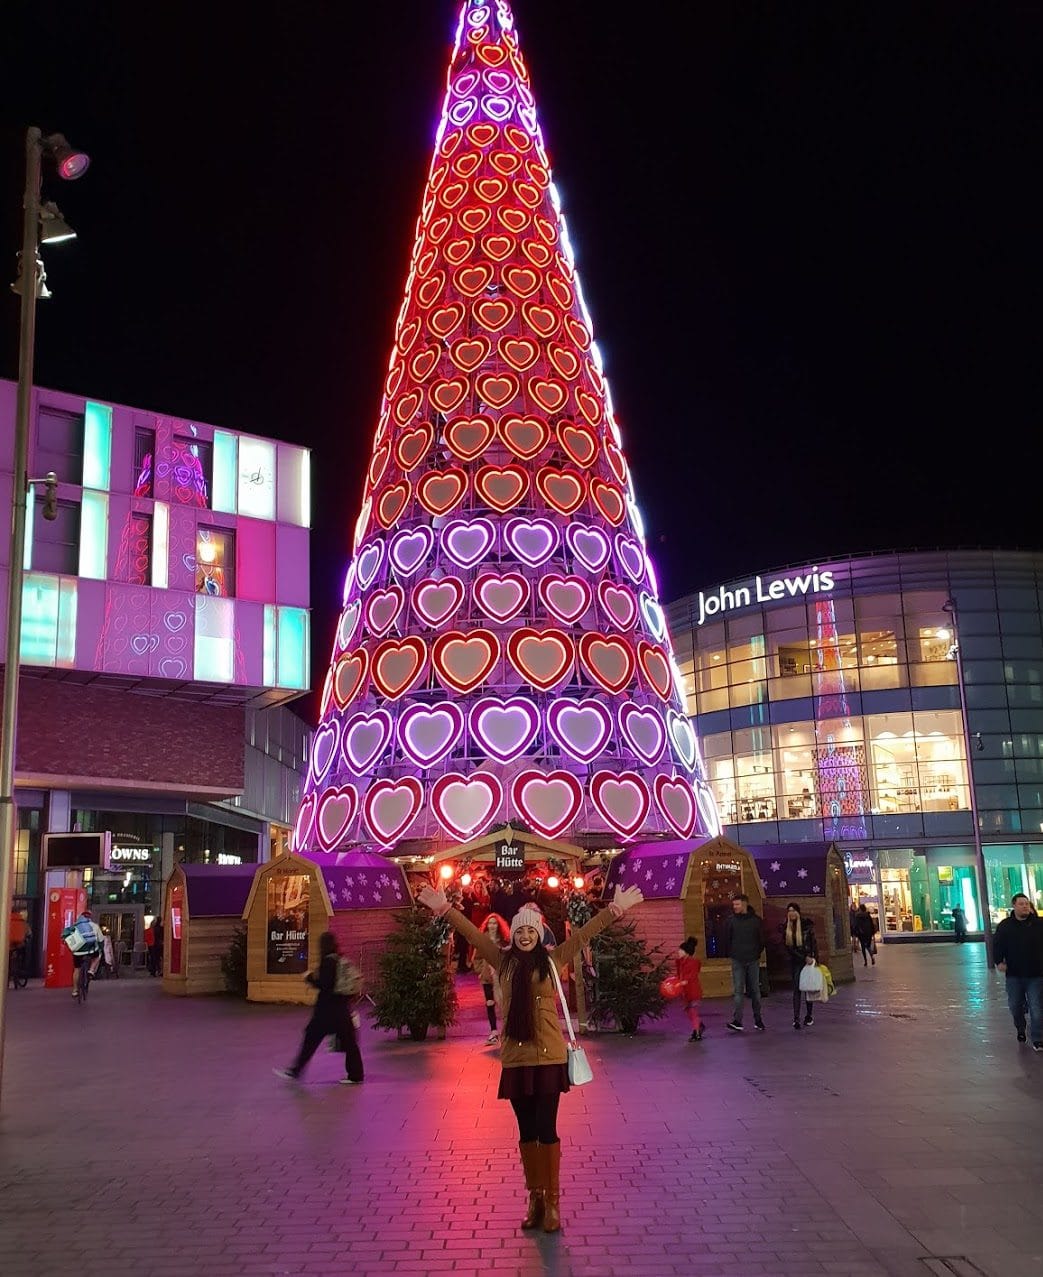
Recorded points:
327,945
519,968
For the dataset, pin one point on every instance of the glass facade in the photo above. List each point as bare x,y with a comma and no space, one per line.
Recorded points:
829,706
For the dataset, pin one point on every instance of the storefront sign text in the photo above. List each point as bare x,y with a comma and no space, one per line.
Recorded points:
761,591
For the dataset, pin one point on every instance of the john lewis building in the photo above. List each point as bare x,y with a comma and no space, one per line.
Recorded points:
827,698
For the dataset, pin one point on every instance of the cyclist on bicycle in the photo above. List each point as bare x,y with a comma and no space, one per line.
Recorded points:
89,953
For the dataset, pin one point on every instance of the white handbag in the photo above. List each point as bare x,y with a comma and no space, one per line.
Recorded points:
811,980
580,1072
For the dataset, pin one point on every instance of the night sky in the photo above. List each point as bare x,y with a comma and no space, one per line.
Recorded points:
808,236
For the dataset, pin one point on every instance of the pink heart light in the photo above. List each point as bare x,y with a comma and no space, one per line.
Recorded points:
504,728
302,826
631,556
463,805
642,729
436,601
427,735
324,748
532,540
364,738
682,738
581,728
501,597
468,541
390,807
589,545
623,800
565,597
618,603
382,609
348,621
410,548
368,561
676,801
549,802
337,809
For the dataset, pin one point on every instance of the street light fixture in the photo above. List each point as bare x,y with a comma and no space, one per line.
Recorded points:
954,654
70,164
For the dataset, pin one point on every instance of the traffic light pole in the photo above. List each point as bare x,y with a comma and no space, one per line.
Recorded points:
16,552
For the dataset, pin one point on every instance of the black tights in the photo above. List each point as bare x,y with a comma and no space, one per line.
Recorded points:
490,1005
537,1118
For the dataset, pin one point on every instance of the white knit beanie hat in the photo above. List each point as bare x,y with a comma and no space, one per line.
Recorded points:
527,916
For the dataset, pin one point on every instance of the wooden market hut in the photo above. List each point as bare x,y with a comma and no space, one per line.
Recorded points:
202,907
688,888
812,875
288,908
365,890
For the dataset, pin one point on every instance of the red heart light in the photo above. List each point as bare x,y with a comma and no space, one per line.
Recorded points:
349,673
498,390
528,193
406,406
451,142
561,292
546,228
502,596
424,361
451,194
525,436
378,464
518,138
537,252
480,135
513,219
523,281
542,657
440,491
459,250
494,313
579,442
608,658
547,802
519,352
463,805
430,290
444,320
505,162
578,331
656,668
565,597
465,165
565,360
589,406
472,280
469,352
436,601
448,393
438,227
468,437
499,247
543,320
502,487
397,665
391,806
561,488
618,602
676,801
462,661
476,217
616,461
412,446
492,55
392,502
407,335
337,809
622,800
383,608
609,500
550,395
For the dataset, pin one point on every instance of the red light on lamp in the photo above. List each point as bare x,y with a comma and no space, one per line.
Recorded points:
465,879
579,883
446,872
552,881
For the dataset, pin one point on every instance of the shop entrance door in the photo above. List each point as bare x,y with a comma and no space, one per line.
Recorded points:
125,924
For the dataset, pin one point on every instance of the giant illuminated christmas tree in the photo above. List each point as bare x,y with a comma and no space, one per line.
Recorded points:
501,653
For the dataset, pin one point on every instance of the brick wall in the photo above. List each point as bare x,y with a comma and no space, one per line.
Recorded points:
67,729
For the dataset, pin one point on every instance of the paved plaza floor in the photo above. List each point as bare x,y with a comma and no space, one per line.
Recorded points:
902,1135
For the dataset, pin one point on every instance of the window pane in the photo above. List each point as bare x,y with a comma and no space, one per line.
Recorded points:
215,562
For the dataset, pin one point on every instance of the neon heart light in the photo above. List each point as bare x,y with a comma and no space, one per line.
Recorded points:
578,441
589,545
302,825
469,352
497,389
436,601
468,437
390,807
349,673
533,540
410,549
364,739
547,803
631,557
653,615
543,657
494,314
561,488
463,805
618,603
412,445
323,748
581,728
622,800
397,664
503,596
462,661
502,487
682,738
525,436
348,621
609,500
466,541
337,809
426,735
504,728
642,729
441,491
565,597
656,668
608,659
392,501
367,562
383,608
675,799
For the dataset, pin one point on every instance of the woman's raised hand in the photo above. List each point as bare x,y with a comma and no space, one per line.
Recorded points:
626,897
435,900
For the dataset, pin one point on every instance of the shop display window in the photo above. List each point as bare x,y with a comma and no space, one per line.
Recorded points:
215,562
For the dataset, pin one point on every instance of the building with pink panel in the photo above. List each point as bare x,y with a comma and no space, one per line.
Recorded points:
165,628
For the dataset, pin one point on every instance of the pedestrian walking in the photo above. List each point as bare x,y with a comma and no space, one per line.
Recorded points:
1017,950
155,951
500,934
798,936
959,924
688,968
744,941
864,929
534,1073
331,1014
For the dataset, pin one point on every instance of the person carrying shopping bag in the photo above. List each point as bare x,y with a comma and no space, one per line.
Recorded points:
798,936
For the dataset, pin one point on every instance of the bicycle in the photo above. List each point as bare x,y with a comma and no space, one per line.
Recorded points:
83,979
18,968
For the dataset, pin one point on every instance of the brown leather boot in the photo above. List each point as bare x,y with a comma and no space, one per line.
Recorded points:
551,1164
534,1182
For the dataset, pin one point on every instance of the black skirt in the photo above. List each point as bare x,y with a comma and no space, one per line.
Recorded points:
525,1081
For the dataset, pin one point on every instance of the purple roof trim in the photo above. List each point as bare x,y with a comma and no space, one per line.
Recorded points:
365,880
217,891
658,868
792,869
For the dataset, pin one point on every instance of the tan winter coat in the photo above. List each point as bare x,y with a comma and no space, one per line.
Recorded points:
548,1045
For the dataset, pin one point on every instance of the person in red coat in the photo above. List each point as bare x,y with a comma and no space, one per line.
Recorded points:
688,968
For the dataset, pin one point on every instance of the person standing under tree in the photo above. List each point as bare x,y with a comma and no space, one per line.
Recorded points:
744,940
534,1073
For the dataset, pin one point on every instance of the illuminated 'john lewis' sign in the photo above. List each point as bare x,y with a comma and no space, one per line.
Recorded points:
780,587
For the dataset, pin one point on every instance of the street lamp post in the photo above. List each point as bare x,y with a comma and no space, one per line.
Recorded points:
70,165
955,654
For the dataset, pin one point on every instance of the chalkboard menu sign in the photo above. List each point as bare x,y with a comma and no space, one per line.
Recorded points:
510,855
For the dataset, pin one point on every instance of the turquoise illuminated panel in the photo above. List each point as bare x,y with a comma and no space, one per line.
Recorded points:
94,534
293,647
48,635
215,639
226,470
97,445
270,640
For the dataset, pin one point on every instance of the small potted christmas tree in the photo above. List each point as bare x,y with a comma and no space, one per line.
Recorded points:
626,987
414,987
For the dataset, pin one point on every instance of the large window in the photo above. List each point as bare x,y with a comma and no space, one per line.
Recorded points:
56,542
215,562
59,445
191,472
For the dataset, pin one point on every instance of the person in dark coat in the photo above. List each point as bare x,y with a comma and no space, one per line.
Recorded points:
798,936
864,929
959,924
744,940
1017,950
331,1014
155,951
